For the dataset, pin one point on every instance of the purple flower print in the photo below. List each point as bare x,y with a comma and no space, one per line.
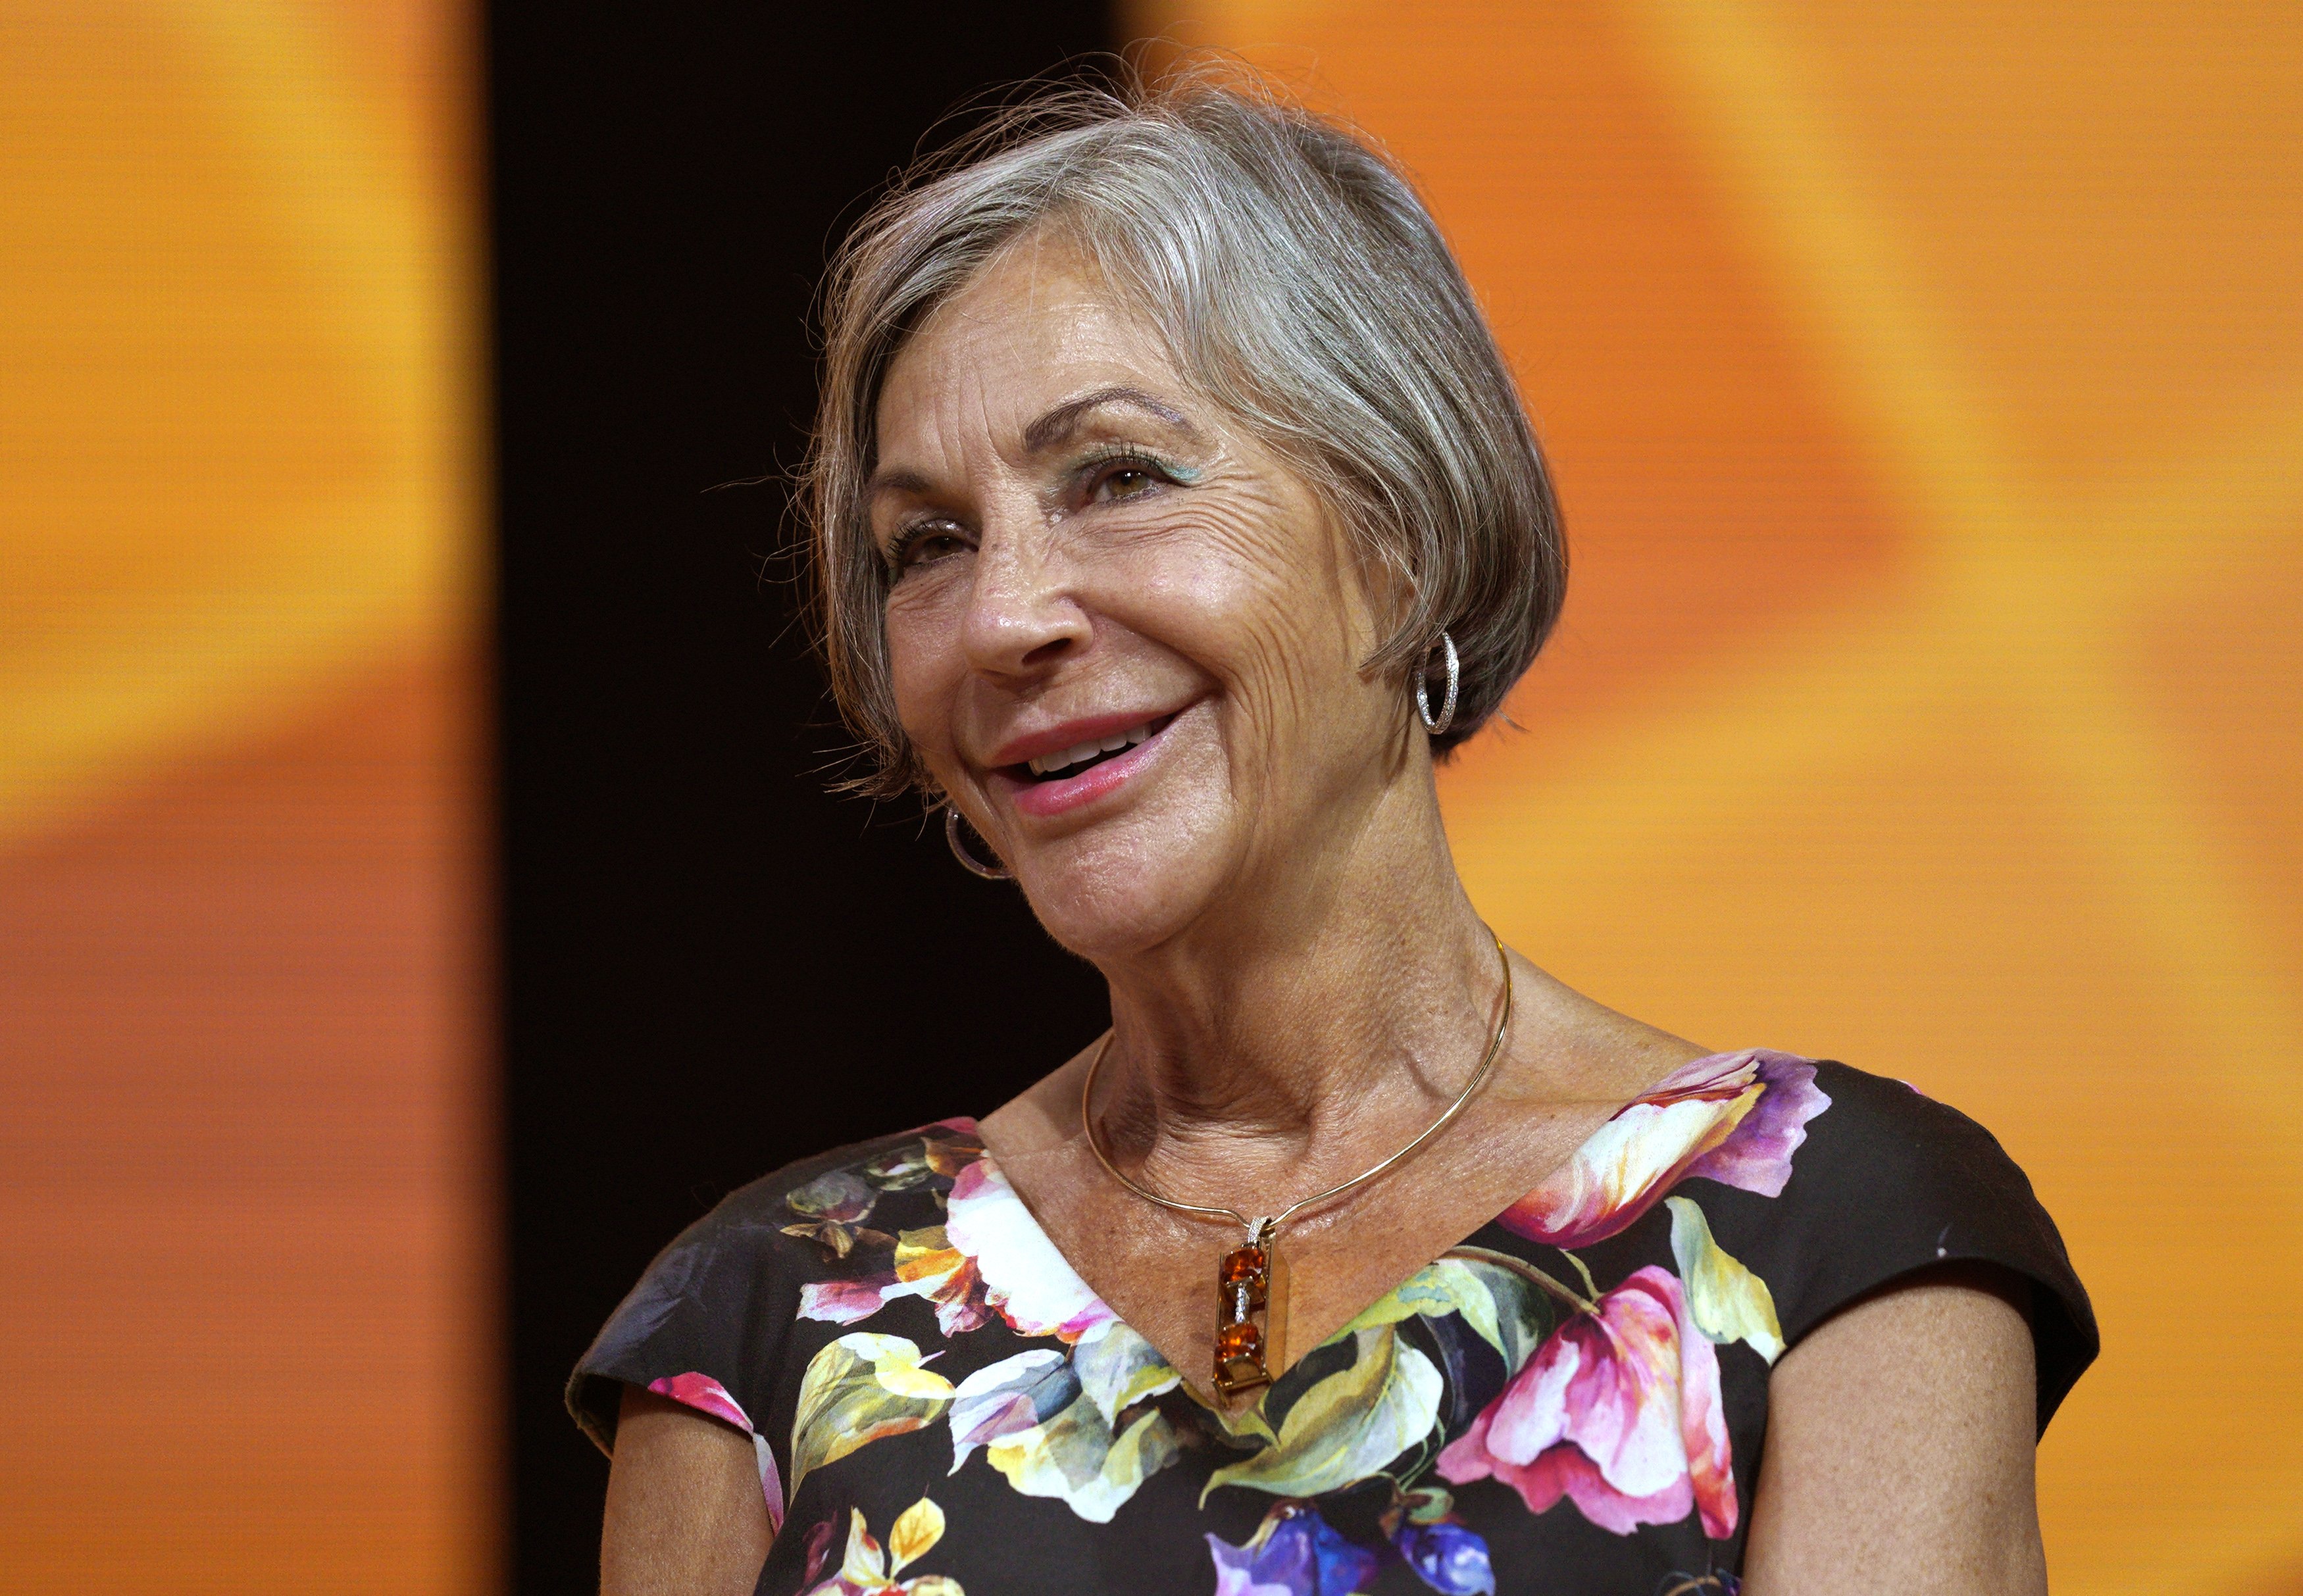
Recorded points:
1735,1118
1293,1552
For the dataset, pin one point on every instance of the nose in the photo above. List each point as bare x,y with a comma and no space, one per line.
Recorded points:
1023,616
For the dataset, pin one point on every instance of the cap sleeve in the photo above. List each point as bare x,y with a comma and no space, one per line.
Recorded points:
706,1325
1890,1183
711,1323
705,1310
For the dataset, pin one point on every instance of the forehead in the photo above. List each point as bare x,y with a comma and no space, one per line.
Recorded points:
1035,326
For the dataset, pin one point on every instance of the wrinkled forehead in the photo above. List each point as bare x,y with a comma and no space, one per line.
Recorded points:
1036,327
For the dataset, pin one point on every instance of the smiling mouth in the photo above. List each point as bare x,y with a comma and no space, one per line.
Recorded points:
1066,763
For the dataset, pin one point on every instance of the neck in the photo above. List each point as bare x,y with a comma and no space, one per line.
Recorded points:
1334,1005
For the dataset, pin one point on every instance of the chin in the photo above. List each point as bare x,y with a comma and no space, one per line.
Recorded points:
1115,891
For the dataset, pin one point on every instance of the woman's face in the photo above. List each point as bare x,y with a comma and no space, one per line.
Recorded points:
1123,637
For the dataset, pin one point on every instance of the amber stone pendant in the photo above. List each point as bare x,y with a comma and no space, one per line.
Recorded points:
1246,1341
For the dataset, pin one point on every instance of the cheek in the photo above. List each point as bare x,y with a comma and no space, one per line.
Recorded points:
1265,596
925,668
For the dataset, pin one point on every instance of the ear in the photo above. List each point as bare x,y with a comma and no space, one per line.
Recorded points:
1386,594
1380,592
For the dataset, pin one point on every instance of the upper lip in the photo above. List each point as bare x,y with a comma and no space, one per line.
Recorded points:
1026,746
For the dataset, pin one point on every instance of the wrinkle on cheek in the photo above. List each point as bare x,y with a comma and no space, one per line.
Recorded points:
1275,618
920,622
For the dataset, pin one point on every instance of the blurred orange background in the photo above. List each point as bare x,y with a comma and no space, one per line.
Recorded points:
1925,383
248,1280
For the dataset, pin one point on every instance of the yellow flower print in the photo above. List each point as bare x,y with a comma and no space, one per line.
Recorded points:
870,1570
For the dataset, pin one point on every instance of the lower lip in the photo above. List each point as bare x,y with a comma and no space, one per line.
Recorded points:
1042,799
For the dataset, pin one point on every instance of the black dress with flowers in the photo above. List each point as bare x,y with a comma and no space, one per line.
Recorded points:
1572,1400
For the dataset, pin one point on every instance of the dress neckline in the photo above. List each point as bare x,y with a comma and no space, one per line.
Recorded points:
1589,1196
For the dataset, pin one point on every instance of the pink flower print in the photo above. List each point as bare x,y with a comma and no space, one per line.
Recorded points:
1619,1411
703,1394
1023,1274
1735,1118
989,1254
844,1302
707,1395
926,1266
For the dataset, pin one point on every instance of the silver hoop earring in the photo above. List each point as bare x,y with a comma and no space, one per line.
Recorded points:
1437,724
976,867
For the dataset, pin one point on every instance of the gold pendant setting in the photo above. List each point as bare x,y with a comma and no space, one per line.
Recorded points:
1249,1298
1251,1281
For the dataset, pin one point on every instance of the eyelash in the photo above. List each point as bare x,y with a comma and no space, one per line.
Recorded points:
904,540
1097,469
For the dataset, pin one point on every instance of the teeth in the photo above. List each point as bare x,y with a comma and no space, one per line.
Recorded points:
1049,763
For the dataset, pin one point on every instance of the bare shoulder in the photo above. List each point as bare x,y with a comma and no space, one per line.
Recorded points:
1572,1047
1900,1437
685,1513
1043,1118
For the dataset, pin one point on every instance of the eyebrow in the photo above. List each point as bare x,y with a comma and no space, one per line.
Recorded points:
896,481
1052,428
1059,424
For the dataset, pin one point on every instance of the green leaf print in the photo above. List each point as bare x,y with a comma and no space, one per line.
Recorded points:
1498,1305
1348,1425
859,1390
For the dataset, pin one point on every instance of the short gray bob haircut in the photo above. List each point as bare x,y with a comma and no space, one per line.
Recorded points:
1301,287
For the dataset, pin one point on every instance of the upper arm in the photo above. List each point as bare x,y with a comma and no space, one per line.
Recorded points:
685,1513
1898,1453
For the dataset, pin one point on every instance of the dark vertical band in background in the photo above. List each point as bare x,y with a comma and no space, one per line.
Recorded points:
709,966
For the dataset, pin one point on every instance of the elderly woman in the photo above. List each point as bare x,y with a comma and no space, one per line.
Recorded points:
1175,513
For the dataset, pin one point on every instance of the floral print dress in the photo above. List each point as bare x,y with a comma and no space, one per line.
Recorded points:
1573,1400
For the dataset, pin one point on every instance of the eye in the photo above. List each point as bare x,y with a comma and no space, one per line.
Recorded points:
1127,478
923,545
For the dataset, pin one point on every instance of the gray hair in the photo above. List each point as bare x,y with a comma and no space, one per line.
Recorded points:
1300,285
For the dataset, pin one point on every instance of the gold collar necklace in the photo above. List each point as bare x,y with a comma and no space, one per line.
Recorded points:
1251,1279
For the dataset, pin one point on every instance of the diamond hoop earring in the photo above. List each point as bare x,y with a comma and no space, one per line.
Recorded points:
1437,724
976,867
